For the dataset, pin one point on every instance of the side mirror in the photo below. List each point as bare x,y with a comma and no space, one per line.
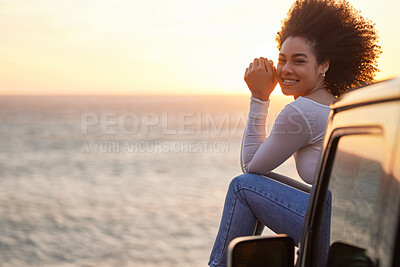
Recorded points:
256,251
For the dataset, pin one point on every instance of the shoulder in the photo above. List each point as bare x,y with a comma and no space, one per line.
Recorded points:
309,109
304,114
290,120
303,104
291,114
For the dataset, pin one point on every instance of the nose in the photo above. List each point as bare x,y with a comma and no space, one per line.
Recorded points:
287,68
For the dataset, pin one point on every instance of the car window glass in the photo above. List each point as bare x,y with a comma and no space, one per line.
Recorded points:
356,191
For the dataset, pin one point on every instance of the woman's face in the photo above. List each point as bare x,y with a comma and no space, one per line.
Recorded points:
297,71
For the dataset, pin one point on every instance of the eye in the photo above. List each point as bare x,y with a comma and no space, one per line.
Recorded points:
281,60
299,60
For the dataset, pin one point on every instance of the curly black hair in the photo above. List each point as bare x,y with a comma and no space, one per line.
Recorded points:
336,32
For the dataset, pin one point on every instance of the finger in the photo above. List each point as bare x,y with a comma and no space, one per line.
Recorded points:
256,63
273,68
269,66
251,66
263,63
275,76
245,73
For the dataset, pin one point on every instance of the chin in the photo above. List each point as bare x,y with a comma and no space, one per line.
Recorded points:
286,92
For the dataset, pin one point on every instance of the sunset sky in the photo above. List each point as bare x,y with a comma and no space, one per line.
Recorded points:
152,47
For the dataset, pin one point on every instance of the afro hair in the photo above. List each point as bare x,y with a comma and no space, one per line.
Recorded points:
336,32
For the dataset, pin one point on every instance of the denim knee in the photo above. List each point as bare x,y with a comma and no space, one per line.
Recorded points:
243,181
240,181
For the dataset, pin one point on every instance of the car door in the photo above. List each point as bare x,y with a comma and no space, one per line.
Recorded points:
357,190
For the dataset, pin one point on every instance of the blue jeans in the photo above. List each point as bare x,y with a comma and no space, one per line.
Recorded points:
250,197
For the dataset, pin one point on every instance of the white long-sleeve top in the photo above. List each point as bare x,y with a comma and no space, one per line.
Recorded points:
299,129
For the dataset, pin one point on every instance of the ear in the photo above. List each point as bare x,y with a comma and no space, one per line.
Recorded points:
324,66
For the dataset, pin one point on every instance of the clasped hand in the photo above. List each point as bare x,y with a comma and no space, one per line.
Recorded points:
261,79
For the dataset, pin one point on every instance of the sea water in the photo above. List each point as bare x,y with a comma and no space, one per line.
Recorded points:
117,181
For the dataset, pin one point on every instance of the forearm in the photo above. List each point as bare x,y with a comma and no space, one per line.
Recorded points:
255,133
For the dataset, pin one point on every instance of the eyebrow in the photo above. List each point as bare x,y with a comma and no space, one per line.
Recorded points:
295,55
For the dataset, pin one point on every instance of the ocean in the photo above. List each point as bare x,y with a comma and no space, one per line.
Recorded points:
117,180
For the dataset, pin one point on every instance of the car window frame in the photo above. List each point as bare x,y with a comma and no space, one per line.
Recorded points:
309,241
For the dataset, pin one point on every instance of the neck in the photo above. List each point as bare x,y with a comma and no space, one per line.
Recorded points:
319,87
322,96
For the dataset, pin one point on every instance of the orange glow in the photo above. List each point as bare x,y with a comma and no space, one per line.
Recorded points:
156,47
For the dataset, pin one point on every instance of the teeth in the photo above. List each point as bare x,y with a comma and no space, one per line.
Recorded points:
289,81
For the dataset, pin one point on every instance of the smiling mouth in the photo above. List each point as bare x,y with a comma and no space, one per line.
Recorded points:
289,82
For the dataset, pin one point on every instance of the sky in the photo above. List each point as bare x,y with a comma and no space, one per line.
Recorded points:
118,47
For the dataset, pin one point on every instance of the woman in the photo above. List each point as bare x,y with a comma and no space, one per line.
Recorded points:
326,48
